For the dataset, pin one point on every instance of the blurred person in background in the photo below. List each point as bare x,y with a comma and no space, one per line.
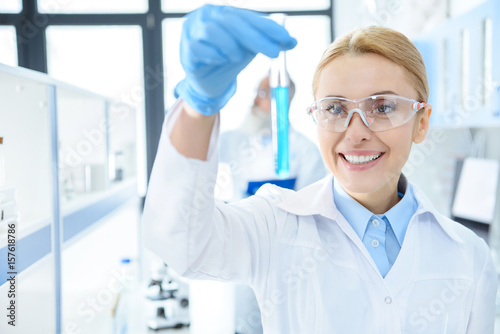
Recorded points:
248,151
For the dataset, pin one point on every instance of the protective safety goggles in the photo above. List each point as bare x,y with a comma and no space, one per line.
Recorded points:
378,112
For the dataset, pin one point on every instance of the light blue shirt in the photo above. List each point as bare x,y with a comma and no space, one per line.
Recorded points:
382,235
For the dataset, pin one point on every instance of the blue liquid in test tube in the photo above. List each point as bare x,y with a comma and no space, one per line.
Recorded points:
280,98
280,101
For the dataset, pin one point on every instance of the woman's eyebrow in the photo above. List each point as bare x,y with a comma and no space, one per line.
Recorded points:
385,92
376,93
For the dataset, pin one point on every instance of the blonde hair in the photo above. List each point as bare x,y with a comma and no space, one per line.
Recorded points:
385,42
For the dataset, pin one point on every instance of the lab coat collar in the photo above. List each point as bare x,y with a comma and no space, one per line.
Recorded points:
425,206
317,199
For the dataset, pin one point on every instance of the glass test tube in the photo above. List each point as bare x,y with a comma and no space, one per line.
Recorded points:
280,101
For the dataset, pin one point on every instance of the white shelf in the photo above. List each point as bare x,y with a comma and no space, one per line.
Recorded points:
83,201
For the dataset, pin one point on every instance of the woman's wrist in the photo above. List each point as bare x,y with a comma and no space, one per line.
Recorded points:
191,133
192,112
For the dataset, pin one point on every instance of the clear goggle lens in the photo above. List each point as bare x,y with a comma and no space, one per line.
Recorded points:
378,112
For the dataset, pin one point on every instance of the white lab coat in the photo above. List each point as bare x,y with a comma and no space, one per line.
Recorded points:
310,271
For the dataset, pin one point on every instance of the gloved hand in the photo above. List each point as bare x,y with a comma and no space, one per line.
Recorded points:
217,43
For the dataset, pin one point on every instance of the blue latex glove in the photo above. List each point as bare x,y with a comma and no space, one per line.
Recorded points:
217,43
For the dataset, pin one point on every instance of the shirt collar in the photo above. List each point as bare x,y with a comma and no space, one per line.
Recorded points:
358,216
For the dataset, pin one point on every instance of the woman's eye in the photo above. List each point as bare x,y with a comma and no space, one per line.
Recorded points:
335,109
384,108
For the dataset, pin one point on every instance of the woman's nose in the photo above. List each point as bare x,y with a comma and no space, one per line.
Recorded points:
357,130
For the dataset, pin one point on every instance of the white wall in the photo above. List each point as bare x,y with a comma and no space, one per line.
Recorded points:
411,17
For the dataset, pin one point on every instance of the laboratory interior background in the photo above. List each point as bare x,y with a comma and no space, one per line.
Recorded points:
84,88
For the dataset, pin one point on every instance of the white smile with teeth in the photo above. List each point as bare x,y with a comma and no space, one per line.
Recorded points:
361,159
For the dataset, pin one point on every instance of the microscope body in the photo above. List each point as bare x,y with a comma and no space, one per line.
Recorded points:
169,298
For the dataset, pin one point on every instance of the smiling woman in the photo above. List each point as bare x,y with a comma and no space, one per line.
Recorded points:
362,243
370,62
373,184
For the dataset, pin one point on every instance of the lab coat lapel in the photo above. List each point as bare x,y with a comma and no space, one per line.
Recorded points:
406,266
315,199
351,234
319,197
425,206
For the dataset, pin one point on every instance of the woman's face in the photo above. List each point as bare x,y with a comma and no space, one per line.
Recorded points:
356,77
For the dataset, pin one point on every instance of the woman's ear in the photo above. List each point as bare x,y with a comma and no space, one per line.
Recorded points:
422,126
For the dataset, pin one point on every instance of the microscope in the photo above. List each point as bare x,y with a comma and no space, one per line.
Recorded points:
169,297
